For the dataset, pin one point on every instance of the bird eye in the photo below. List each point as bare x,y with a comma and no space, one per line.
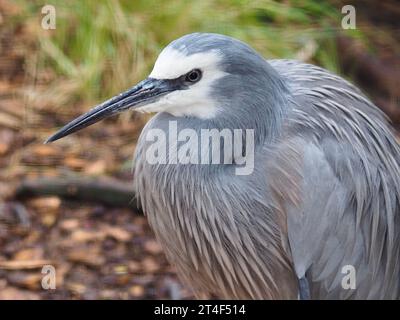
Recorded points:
193,76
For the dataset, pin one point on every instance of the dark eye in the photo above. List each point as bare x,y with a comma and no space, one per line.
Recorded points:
193,76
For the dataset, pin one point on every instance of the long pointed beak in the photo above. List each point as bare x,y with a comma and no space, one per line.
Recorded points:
145,92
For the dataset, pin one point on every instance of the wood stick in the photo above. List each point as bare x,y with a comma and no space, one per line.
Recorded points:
107,191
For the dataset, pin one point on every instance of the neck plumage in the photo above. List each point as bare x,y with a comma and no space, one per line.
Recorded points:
262,103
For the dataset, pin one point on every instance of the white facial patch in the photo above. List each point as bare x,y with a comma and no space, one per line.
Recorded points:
195,101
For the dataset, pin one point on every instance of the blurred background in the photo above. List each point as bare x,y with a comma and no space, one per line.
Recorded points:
71,204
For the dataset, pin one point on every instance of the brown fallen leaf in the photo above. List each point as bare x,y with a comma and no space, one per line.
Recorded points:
117,233
150,265
96,168
11,293
76,288
69,224
121,269
5,190
46,203
48,208
152,246
42,150
24,264
3,148
9,121
108,294
75,163
136,291
134,266
12,107
5,85
48,219
83,236
29,254
123,279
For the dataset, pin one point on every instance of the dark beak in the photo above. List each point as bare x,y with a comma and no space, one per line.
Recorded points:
147,91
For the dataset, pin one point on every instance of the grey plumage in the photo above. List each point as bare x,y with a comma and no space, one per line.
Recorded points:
325,191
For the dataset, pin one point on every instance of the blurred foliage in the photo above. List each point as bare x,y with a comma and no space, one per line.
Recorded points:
102,47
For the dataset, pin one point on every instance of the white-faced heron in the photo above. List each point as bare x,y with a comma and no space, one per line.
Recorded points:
318,215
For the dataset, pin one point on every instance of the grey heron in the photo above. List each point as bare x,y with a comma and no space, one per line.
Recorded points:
322,200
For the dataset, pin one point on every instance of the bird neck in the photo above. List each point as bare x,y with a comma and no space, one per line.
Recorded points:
261,103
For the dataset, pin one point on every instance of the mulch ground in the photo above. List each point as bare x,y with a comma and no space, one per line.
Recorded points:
98,252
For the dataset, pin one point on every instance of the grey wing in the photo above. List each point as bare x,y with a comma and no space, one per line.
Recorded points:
349,213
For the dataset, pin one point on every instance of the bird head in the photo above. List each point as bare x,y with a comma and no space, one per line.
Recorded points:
200,75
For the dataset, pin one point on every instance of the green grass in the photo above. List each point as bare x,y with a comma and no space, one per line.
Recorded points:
102,47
